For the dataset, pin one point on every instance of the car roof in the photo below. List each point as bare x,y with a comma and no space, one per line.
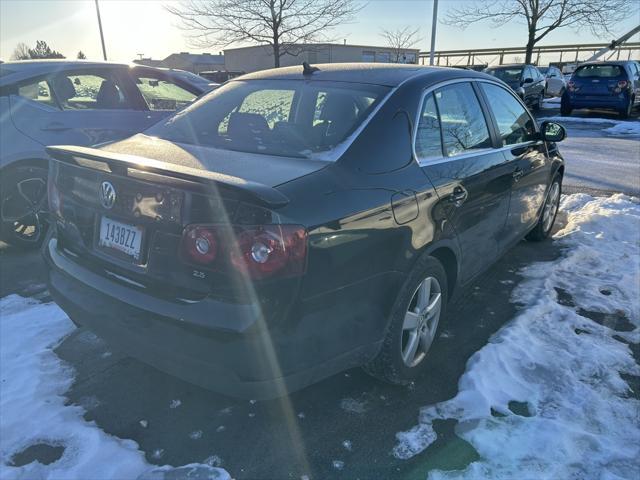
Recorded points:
511,65
388,74
24,69
607,62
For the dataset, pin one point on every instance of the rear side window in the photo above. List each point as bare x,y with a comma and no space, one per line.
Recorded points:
464,128
515,125
428,139
38,91
601,71
89,92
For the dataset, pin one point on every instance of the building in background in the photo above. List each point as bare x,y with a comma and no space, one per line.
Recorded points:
260,57
191,62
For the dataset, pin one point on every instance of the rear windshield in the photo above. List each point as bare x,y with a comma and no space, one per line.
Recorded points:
604,71
278,117
506,74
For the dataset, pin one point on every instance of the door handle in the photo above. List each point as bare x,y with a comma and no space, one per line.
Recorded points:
517,174
458,196
55,127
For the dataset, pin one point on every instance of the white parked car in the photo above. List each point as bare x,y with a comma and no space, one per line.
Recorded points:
60,102
556,83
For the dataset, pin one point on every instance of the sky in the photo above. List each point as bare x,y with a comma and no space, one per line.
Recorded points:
145,27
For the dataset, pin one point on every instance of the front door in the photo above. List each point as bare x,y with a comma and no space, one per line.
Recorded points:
455,150
526,157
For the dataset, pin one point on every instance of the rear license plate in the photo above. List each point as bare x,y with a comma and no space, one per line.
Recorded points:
120,236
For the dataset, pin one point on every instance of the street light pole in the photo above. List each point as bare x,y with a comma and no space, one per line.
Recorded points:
433,31
104,50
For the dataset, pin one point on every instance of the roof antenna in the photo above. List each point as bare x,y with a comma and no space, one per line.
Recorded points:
308,69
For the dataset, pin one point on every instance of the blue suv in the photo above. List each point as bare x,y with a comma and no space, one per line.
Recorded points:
608,85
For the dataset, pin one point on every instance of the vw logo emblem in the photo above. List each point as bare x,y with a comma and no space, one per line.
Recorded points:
107,195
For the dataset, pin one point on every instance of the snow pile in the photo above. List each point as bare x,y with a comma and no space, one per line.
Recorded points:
546,398
624,129
33,410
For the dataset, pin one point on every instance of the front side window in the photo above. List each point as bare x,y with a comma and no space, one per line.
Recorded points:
38,91
89,91
515,125
464,128
162,94
279,117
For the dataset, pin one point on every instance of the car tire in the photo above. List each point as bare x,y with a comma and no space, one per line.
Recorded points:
414,304
626,112
565,106
537,105
549,212
23,206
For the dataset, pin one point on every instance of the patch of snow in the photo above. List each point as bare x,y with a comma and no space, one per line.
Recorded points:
195,435
221,428
624,129
301,415
34,381
347,445
353,405
338,464
144,423
175,403
580,420
213,461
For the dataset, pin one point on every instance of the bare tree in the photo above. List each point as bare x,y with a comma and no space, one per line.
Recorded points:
21,52
282,24
400,40
542,16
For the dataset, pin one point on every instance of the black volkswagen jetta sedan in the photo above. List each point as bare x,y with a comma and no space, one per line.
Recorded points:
296,222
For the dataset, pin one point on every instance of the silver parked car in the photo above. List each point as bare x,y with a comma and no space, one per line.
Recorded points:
59,102
556,83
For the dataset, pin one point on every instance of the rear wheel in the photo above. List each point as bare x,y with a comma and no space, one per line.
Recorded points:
626,111
565,106
549,212
23,205
416,321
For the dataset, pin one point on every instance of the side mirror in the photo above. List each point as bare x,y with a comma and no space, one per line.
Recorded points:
528,80
552,132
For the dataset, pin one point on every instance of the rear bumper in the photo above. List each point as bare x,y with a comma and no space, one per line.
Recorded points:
220,346
605,101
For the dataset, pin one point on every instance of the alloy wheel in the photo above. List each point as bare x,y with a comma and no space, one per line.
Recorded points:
24,209
421,321
551,207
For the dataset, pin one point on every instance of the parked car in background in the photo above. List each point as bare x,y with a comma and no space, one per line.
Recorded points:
605,85
71,102
220,76
555,82
525,80
299,222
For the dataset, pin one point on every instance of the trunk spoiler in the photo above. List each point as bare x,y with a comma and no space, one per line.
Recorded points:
121,164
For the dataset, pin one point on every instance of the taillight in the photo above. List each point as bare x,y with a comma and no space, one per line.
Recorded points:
622,84
259,251
199,244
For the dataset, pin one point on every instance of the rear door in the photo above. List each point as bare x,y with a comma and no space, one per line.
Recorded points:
526,159
455,149
79,107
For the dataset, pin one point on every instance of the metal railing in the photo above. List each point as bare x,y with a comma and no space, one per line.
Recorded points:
556,54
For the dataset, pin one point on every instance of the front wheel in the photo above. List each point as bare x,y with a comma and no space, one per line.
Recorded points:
23,205
544,226
416,321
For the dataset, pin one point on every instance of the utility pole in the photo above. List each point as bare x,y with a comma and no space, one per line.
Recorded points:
104,50
433,31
